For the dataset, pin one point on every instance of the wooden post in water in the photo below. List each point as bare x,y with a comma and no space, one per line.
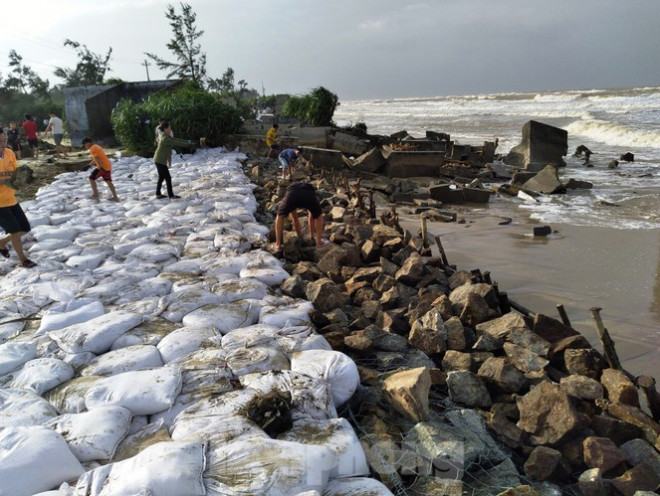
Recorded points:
563,315
605,339
443,255
425,241
647,384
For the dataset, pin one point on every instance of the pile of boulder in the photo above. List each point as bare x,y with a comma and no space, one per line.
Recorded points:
458,391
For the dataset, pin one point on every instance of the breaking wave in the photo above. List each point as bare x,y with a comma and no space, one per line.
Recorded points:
614,134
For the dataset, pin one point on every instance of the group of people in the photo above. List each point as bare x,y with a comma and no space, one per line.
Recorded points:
299,195
28,130
287,157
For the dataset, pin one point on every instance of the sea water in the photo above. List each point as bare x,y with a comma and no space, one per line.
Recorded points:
610,122
579,268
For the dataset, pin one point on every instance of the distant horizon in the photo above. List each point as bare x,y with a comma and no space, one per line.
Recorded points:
362,50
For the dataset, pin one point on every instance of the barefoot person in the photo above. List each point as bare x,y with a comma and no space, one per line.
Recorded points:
12,218
288,159
299,195
30,128
102,168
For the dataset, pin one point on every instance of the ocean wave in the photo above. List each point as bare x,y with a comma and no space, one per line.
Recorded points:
614,134
557,97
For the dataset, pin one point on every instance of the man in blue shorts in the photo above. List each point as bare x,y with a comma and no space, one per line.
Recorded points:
299,195
288,160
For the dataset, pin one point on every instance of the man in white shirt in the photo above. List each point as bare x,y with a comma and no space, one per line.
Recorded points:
56,126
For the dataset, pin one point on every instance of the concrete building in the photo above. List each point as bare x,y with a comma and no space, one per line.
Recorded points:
88,108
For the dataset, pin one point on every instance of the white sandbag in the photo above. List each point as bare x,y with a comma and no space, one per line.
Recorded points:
111,288
138,439
78,360
224,317
154,253
244,361
70,396
46,292
131,358
68,232
42,374
239,289
14,355
167,468
333,366
93,435
226,263
220,428
87,261
177,304
272,276
143,392
248,336
182,341
205,372
20,407
266,466
11,325
34,459
95,335
299,338
295,313
222,405
153,287
49,245
356,486
75,311
339,437
310,396
151,331
190,267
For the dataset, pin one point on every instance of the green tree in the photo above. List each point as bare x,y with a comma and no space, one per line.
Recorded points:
315,108
192,112
90,69
190,60
22,77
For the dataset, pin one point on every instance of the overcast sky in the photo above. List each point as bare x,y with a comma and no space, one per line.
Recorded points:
361,49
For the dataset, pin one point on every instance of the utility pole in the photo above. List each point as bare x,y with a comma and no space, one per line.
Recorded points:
146,66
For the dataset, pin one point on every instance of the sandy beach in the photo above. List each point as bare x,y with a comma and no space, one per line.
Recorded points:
578,267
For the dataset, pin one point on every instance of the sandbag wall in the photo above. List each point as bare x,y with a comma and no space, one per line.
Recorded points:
149,352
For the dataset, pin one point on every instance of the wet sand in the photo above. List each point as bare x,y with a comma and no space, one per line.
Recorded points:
578,267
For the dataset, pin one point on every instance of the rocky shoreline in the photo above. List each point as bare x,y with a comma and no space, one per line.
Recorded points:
453,380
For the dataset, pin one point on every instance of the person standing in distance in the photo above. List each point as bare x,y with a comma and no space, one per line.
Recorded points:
12,218
56,126
271,141
30,128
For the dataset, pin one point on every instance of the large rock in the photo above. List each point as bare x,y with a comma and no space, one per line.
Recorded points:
498,371
542,462
581,387
468,389
325,295
601,452
371,161
640,478
408,393
546,181
412,270
638,451
541,145
548,415
592,483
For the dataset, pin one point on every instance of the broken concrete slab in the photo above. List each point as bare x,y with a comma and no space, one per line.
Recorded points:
541,145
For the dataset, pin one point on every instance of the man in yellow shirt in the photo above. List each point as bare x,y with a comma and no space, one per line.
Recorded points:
271,141
103,167
12,217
